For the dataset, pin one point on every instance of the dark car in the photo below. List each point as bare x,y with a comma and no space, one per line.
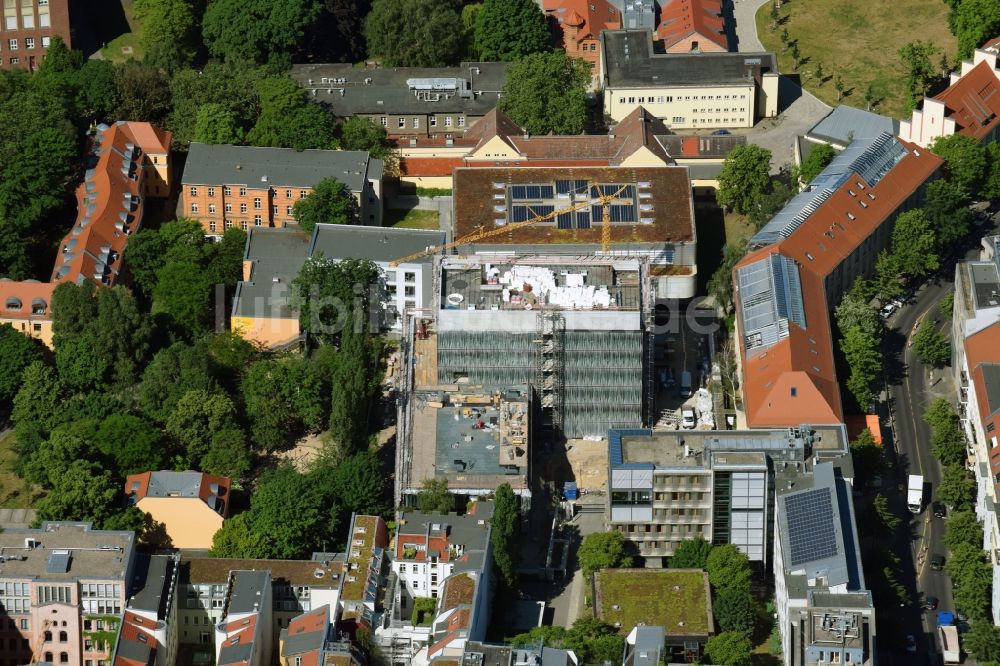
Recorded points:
929,603
721,132
939,510
937,562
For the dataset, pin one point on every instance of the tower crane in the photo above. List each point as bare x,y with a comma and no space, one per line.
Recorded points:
604,200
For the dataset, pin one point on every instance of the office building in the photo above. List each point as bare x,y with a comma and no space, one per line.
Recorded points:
686,90
28,28
64,587
825,612
246,186
190,505
668,486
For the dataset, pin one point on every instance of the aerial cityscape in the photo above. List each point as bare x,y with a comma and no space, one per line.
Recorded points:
499,332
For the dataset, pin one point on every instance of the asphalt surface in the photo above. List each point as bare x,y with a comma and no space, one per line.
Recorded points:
912,386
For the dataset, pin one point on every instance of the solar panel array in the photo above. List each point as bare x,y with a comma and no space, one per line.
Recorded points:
811,532
770,297
526,201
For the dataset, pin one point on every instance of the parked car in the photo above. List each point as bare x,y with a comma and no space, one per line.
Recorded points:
888,309
687,419
721,132
911,643
940,511
937,562
929,603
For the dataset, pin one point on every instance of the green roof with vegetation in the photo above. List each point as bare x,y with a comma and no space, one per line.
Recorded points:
678,600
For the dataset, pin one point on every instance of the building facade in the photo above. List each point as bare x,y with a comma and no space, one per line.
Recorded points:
577,25
64,587
686,91
148,635
190,505
28,28
244,186
697,26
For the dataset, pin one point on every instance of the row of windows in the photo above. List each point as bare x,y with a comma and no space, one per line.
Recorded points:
28,19
100,590
592,46
258,221
102,606
432,122
667,99
228,191
732,110
212,209
29,43
15,589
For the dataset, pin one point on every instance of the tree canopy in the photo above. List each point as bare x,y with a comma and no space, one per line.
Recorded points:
963,527
973,22
503,534
914,244
170,31
603,550
216,124
330,202
745,178
957,489
17,352
820,156
931,346
288,119
735,610
691,554
728,567
546,92
964,159
510,29
414,33
730,648
257,30
434,497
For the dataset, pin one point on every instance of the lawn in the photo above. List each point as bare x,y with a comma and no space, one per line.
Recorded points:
859,41
14,492
738,228
676,600
124,46
411,219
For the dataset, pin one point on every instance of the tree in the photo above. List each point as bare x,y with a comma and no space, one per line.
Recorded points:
940,414
963,528
916,57
945,209
510,30
973,22
503,532
289,509
198,417
888,520
17,352
855,312
869,458
861,352
97,94
964,160
720,285
36,407
970,569
735,610
231,84
272,418
991,186
228,454
338,34
414,33
355,382
603,550
819,74
171,374
133,443
957,490
914,244
258,31
238,539
435,498
948,444
820,156
838,85
983,641
729,648
183,292
594,641
691,554
169,33
328,301
356,484
143,92
931,346
872,96
546,92
360,133
83,492
215,124
330,202
728,567
288,119
470,14
886,281
744,178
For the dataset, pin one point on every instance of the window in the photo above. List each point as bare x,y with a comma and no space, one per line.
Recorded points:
678,119
461,121
416,123
288,210
229,207
447,121
243,191
46,41
274,209
229,224
24,624
631,100
257,220
659,100
29,42
434,121
401,123
302,194
227,191
12,44
194,191
194,208
288,194
47,637
243,208
256,203
410,291
212,226
63,637
384,121
211,191
244,224
211,209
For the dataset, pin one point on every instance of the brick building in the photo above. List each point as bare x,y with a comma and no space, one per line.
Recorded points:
577,26
28,28
244,186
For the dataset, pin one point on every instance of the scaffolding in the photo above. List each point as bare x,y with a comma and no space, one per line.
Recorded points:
550,368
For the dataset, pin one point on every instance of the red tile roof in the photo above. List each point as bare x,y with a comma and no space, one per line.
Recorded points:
205,491
313,624
794,381
682,18
981,351
589,16
29,299
973,101
142,642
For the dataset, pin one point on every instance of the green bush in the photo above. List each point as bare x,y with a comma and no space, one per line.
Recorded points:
433,191
423,611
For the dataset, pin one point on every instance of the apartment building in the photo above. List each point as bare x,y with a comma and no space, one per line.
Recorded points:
474,438
431,105
824,610
577,25
312,638
148,635
245,186
190,505
969,106
668,486
486,654
28,28
496,141
697,26
243,636
686,90
431,547
63,588
976,364
26,307
463,612
263,310
650,210
803,261
361,587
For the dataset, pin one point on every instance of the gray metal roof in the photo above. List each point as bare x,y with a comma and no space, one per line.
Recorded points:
991,378
249,588
648,648
378,244
174,484
153,577
305,641
472,88
135,650
770,298
630,63
845,123
870,158
235,654
276,167
277,256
